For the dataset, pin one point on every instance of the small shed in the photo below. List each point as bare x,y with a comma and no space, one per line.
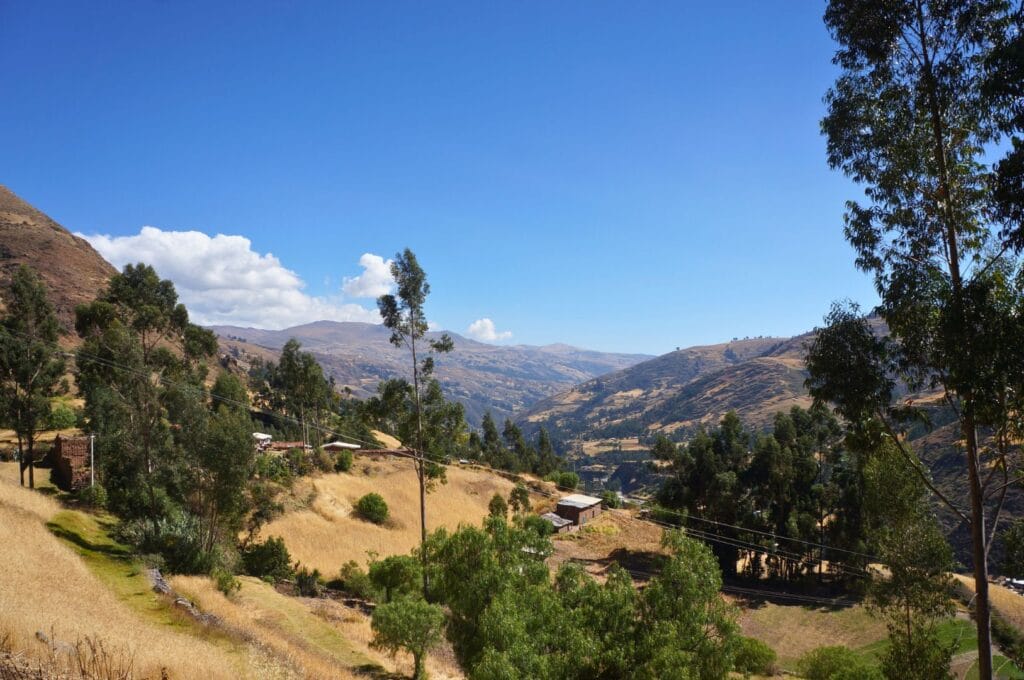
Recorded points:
339,446
579,509
560,524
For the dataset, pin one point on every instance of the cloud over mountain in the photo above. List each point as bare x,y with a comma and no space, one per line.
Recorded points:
222,280
484,329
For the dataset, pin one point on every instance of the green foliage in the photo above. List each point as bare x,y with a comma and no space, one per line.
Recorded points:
352,579
295,386
343,463
62,417
31,364
1013,555
497,507
567,481
836,663
308,583
275,468
397,575
300,462
519,499
538,525
610,499
94,496
229,391
372,508
178,540
509,620
785,482
323,460
410,624
226,581
754,657
269,560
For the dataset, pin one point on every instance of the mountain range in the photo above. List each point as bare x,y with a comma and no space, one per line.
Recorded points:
502,379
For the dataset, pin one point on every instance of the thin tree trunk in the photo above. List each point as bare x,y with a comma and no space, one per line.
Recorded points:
420,462
21,458
979,550
31,461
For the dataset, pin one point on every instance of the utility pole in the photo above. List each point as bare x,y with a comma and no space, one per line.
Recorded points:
92,460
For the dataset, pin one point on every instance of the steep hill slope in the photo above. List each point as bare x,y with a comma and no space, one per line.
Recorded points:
499,378
72,270
682,390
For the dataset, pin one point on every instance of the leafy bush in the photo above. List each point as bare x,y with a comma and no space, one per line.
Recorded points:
355,581
323,459
372,508
299,461
308,583
567,480
538,525
92,496
275,468
836,663
268,560
176,539
62,417
610,499
396,575
226,581
754,657
343,463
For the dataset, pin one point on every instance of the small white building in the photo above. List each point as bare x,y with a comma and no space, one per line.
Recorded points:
340,446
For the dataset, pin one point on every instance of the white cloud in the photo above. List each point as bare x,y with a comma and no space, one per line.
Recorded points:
222,280
483,329
376,279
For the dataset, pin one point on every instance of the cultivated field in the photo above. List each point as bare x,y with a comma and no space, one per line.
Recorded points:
326,533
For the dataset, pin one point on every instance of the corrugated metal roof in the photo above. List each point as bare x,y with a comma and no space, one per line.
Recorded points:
578,500
557,521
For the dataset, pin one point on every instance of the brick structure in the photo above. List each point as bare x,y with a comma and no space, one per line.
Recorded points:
579,509
71,462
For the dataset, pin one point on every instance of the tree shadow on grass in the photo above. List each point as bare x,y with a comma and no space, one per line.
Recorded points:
372,670
71,536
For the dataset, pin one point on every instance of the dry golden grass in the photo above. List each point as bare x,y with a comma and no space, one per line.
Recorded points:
793,631
614,536
1005,602
327,534
322,637
47,587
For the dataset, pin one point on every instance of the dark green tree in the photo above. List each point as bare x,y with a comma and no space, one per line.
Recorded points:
140,368
397,575
31,363
911,118
403,315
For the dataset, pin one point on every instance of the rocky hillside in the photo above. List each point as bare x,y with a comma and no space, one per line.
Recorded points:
681,390
500,378
72,270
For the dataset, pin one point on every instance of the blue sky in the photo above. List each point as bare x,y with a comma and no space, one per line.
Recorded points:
621,176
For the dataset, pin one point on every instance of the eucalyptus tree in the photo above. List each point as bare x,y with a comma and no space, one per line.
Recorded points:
911,118
31,363
403,315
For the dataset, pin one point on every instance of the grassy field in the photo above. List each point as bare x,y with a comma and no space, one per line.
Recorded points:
325,534
47,588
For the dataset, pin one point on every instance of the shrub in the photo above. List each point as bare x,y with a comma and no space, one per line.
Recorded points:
299,461
372,508
610,499
836,663
567,480
355,581
754,657
538,525
343,463
308,583
176,539
274,467
323,459
226,581
396,575
92,496
268,560
62,417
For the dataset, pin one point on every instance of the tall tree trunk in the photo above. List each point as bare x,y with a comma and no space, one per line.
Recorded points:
31,461
420,462
983,617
